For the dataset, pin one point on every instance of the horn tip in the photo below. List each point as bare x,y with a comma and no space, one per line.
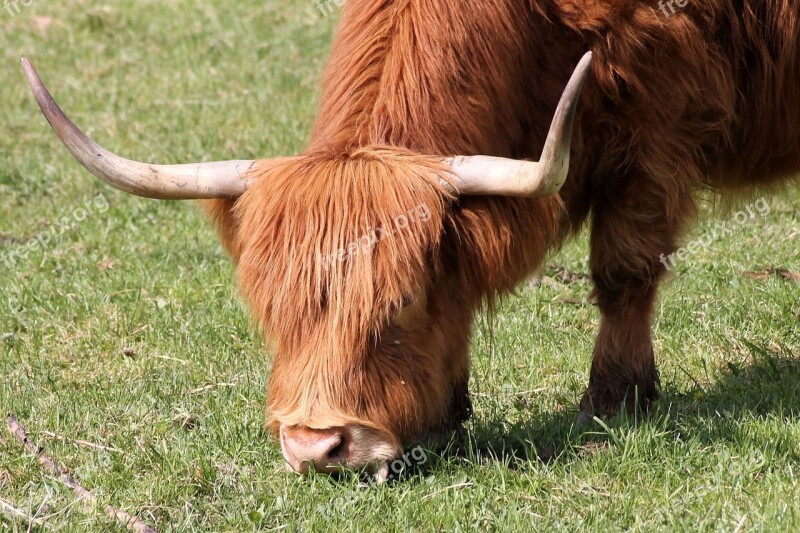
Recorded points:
27,67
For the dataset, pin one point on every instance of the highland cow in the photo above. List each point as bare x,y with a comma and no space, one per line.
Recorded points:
442,104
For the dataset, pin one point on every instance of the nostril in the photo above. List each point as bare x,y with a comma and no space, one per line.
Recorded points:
338,454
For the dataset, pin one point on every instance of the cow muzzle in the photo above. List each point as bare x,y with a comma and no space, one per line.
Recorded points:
330,450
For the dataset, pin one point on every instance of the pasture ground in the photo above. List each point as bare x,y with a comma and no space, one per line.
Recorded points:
126,331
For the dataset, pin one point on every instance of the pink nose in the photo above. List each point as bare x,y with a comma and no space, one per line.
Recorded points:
326,450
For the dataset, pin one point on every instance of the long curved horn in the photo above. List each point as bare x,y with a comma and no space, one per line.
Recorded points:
223,179
497,176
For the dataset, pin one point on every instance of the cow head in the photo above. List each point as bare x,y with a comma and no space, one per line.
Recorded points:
350,263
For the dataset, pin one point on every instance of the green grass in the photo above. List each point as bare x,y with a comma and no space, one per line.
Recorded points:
129,324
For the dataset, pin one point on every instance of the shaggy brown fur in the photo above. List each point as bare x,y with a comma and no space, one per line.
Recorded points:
707,97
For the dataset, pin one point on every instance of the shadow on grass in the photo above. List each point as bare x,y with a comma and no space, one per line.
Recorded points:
768,386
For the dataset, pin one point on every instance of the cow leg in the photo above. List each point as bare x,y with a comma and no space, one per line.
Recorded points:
632,235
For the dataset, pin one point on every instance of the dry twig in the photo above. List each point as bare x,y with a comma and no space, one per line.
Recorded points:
130,521
451,487
211,386
19,513
78,442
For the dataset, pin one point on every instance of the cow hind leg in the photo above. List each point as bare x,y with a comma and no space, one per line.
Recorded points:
633,234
